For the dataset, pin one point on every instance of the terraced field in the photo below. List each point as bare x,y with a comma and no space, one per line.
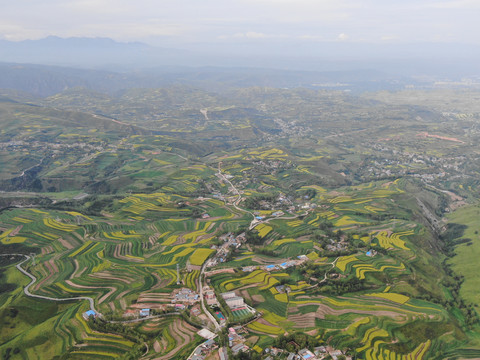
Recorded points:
118,263
355,249
175,337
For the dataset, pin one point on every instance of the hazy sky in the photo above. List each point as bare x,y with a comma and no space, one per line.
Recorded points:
166,22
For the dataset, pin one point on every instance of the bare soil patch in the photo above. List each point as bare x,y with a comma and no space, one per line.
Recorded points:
252,340
258,298
108,276
302,320
246,295
111,305
16,231
220,271
426,134
47,250
65,243
326,310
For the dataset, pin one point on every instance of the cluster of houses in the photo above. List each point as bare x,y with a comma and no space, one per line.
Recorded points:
210,297
180,299
185,296
319,353
204,350
137,313
236,341
398,163
229,241
335,246
280,266
260,217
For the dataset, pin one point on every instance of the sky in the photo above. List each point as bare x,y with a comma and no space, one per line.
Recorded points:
184,22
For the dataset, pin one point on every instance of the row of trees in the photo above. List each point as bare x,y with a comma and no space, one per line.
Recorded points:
296,341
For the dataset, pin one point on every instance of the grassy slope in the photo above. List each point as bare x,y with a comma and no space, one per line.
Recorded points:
132,167
467,256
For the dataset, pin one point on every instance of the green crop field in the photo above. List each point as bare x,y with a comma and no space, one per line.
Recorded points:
365,240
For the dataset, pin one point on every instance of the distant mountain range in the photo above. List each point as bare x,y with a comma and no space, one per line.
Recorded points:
437,59
43,80
87,53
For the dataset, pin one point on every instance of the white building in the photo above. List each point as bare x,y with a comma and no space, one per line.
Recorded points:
229,295
236,301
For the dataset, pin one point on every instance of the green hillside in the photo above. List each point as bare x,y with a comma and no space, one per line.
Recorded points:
342,221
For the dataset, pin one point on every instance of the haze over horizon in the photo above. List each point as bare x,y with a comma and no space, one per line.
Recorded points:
428,37
188,23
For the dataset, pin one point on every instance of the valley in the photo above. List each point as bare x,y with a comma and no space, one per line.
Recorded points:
284,219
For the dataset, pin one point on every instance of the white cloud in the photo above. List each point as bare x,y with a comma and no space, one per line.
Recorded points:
14,32
203,21
253,35
389,38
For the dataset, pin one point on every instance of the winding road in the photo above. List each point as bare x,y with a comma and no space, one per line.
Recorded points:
34,279
90,300
236,202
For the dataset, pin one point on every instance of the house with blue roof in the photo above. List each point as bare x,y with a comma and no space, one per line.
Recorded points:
144,312
88,314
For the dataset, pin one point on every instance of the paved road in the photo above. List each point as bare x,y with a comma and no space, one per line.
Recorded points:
278,218
144,318
90,300
236,202
333,263
34,279
254,222
210,316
